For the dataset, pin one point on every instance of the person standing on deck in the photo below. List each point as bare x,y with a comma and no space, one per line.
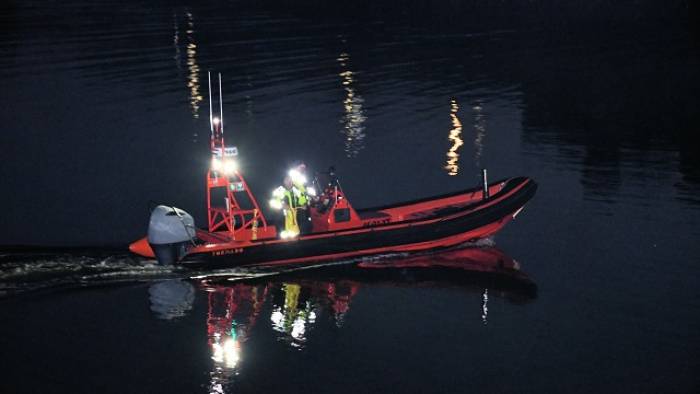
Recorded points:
299,181
286,199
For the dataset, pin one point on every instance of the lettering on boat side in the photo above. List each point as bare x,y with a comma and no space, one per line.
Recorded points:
376,222
227,251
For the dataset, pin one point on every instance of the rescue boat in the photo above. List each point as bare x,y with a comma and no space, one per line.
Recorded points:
238,233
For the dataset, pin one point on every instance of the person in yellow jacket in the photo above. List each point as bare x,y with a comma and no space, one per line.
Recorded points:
299,181
286,198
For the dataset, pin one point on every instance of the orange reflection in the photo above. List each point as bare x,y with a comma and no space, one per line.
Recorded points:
232,313
295,308
452,165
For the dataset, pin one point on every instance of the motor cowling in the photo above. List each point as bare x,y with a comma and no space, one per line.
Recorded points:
170,231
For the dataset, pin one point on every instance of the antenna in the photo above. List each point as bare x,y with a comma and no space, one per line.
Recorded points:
223,177
211,116
221,106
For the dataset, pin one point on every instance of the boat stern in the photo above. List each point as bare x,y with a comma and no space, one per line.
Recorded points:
142,248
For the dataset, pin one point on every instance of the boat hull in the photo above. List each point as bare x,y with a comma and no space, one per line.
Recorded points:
453,226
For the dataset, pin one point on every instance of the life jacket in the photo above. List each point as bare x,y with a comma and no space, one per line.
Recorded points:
293,197
300,192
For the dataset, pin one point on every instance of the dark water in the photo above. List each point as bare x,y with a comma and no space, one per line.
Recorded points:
104,108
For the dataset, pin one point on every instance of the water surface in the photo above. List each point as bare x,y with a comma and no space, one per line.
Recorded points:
105,110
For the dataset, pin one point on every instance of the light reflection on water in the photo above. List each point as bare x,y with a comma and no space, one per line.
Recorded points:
292,318
296,310
485,307
354,116
455,136
258,54
193,67
176,43
479,133
452,166
231,313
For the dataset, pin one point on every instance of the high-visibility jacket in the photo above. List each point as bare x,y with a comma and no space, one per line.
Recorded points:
289,201
299,182
302,196
293,198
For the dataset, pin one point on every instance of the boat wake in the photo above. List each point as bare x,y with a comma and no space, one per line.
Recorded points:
23,271
40,269
32,270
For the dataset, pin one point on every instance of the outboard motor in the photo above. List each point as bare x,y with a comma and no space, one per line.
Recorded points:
170,230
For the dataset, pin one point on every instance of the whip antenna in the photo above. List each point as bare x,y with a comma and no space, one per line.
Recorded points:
221,107
211,115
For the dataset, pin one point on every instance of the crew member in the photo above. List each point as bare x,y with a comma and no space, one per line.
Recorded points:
286,198
299,180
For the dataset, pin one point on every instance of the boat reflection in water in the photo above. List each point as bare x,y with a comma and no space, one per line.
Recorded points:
171,299
290,305
232,312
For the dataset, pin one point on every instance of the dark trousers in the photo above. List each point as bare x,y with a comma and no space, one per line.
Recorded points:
304,220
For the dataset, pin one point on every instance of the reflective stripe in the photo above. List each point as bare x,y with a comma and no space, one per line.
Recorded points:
293,198
279,192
